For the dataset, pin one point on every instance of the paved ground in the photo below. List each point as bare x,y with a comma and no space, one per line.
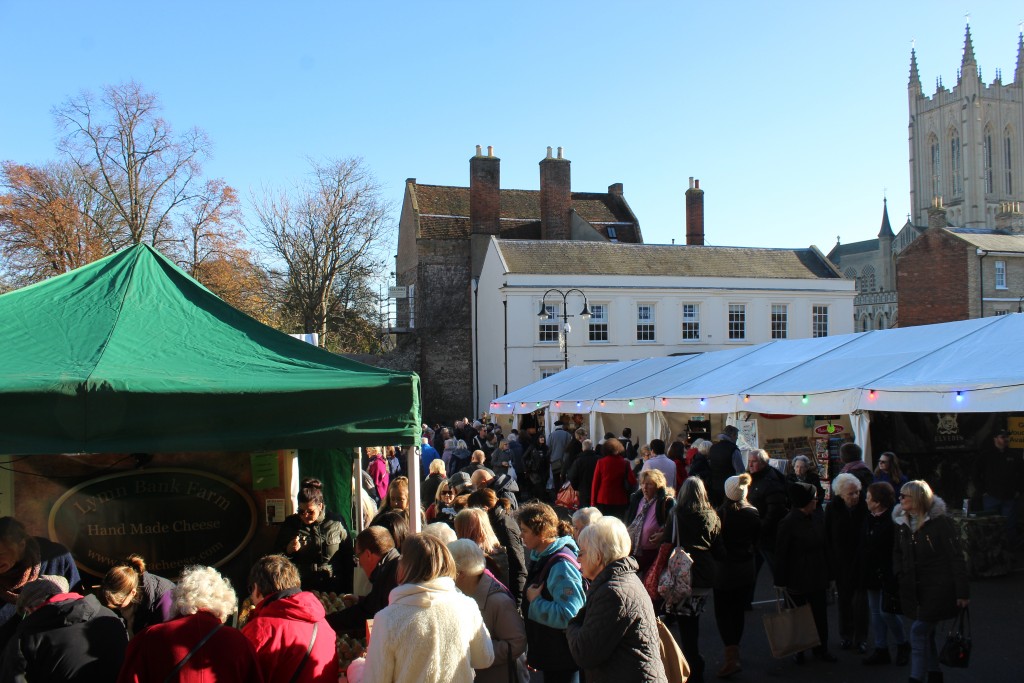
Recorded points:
997,610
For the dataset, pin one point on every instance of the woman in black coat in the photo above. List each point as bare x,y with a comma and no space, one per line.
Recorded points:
801,564
614,637
695,526
877,576
844,530
734,564
930,568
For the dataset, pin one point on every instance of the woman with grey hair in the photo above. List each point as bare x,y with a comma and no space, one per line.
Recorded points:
498,609
205,599
614,637
700,466
802,469
845,516
583,518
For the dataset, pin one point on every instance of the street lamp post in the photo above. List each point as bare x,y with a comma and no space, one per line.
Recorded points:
585,314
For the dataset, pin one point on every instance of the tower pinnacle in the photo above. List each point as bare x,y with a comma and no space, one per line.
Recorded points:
1018,76
915,76
886,229
968,50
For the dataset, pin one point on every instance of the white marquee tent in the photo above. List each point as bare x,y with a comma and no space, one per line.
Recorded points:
967,366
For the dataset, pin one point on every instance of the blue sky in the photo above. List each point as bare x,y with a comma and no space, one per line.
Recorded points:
793,115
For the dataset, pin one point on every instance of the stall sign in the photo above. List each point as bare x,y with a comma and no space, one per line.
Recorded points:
172,517
1015,425
824,429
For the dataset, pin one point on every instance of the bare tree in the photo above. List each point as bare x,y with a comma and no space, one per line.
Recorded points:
325,233
132,158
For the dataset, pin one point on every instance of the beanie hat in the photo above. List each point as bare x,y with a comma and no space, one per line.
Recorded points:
800,494
460,482
736,487
35,593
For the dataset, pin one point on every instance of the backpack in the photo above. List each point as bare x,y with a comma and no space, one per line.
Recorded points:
675,584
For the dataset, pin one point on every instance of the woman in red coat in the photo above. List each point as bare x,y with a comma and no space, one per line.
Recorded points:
613,480
281,627
215,652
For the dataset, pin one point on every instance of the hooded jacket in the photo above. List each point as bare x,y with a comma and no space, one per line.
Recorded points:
281,628
614,638
560,600
929,565
75,639
430,633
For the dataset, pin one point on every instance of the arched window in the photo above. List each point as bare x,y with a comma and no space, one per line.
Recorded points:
1008,157
865,323
867,279
936,165
987,161
881,323
955,162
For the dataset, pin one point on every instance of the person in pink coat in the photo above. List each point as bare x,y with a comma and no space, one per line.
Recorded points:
286,623
377,468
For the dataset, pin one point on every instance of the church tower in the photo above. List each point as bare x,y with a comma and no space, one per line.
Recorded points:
967,143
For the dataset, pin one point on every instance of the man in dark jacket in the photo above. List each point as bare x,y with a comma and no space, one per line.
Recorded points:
377,556
64,637
853,463
768,494
998,474
725,461
801,564
581,474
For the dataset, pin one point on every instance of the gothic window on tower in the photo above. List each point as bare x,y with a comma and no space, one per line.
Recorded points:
955,163
1009,160
933,142
867,279
987,158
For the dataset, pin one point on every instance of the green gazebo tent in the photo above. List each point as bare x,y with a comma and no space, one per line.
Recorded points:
130,354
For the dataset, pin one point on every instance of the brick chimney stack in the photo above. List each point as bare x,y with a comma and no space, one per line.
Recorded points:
485,193
555,198
1010,218
937,214
695,214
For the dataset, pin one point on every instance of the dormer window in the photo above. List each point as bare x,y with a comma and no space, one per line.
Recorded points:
612,235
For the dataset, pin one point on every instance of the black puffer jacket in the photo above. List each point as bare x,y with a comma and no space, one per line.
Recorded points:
507,531
614,637
734,553
875,560
768,494
72,640
929,565
843,536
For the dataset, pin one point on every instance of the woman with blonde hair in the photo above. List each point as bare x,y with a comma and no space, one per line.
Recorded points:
442,509
506,529
435,475
142,598
472,523
430,632
932,575
195,646
650,509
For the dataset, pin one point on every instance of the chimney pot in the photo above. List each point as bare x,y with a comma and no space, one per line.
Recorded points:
490,150
549,153
559,152
696,184
478,148
691,178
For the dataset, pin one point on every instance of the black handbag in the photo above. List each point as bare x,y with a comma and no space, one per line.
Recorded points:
956,651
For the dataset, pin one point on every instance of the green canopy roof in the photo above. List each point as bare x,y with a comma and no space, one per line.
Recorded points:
130,354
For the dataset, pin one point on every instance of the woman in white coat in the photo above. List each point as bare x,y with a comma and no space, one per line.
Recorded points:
430,632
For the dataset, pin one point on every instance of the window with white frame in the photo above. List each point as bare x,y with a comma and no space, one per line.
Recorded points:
412,307
737,321
548,370
691,321
598,325
780,321
547,328
645,323
1001,312
819,321
1000,274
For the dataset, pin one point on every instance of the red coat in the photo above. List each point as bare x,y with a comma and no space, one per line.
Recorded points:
280,630
227,657
610,476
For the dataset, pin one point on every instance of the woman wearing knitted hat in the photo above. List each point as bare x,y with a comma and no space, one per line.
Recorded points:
734,558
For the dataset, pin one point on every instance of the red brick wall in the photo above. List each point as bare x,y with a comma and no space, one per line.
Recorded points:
555,199
932,280
485,195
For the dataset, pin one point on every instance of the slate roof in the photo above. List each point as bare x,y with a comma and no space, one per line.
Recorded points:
841,250
444,213
557,257
989,240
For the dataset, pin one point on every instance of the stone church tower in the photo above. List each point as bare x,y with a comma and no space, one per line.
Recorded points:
966,144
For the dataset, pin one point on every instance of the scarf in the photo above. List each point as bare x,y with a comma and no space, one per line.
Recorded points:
12,581
636,527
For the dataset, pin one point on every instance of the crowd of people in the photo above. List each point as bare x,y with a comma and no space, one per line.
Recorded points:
502,582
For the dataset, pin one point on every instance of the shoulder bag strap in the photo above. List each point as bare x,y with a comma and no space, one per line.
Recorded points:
295,676
184,660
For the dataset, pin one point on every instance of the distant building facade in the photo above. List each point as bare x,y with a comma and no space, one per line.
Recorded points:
444,234
644,301
966,143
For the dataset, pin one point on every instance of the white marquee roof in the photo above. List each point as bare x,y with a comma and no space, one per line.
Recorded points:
967,366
